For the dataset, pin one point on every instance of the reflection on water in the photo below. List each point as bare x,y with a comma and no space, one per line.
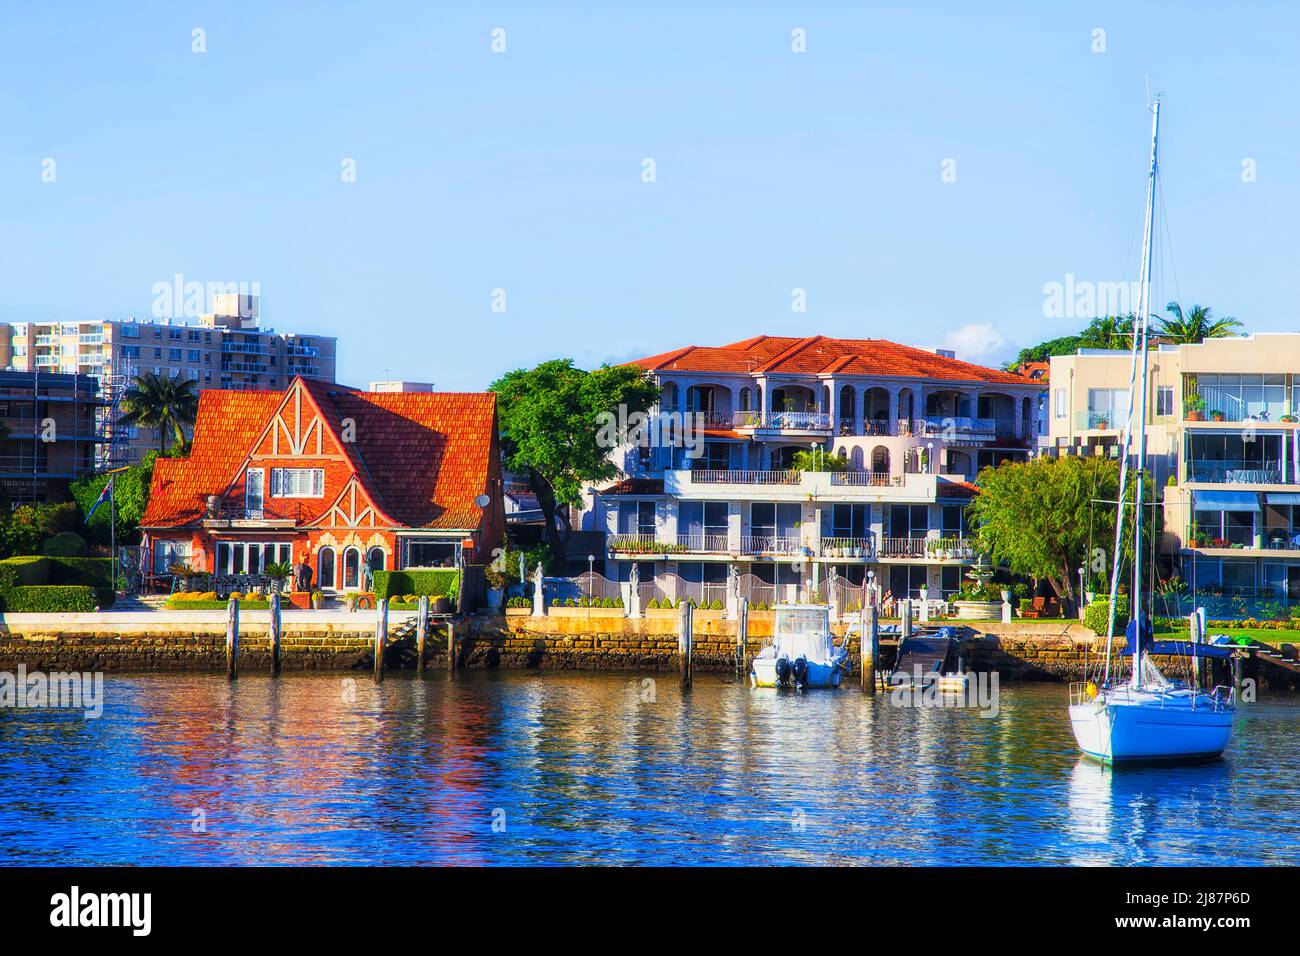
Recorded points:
188,769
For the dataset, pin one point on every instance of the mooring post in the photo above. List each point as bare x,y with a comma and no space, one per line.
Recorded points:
421,632
1236,677
273,630
451,648
1198,662
870,647
381,636
684,640
232,639
905,611
742,636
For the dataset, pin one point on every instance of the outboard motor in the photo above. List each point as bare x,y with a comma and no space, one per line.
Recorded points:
782,671
801,671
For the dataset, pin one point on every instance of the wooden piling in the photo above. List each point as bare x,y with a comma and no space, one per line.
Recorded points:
1198,662
381,636
1236,678
870,640
742,637
273,632
232,640
451,648
421,632
905,612
685,637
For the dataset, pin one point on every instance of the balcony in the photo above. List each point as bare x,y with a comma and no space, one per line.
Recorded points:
1235,472
866,479
237,515
705,543
792,421
772,544
728,476
1100,420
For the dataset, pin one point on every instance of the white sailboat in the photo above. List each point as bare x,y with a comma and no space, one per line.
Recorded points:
1147,718
802,652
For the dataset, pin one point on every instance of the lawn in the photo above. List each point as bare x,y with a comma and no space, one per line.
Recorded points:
1264,634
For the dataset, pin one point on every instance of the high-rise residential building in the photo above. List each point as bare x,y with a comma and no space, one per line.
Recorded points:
714,494
226,348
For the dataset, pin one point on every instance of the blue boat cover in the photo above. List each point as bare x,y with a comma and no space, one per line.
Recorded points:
1173,648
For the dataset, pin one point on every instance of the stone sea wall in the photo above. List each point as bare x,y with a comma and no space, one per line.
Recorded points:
1023,650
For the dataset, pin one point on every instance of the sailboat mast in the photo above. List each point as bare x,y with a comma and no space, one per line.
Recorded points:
1140,329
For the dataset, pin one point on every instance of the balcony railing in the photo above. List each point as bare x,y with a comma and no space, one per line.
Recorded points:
848,547
727,476
960,425
902,547
640,544
711,543
785,421
866,479
1239,472
770,544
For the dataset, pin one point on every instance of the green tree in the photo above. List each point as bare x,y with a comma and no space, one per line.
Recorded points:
556,431
1103,332
817,460
130,492
1044,517
1196,325
168,404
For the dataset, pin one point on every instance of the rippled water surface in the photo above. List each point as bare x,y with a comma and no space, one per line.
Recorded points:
186,769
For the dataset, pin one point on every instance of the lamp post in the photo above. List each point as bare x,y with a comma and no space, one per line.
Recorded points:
1082,572
591,574
929,457
871,585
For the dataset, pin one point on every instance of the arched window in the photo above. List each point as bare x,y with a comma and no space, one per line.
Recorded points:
855,459
745,399
325,568
376,559
351,569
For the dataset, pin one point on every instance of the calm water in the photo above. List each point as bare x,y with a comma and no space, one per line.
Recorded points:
411,772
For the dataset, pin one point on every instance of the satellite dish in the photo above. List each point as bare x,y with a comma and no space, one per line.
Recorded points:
482,501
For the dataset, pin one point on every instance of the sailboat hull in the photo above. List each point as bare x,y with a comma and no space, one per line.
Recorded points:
1152,728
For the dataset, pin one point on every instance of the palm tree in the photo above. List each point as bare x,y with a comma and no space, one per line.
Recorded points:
157,401
1197,325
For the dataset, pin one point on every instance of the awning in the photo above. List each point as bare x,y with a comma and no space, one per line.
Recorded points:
1226,500
1283,498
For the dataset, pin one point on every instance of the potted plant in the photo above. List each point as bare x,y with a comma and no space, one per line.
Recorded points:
1216,416
1103,421
1194,408
278,573
1288,417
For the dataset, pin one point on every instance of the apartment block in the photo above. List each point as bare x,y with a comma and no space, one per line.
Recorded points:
47,434
226,348
1222,445
911,429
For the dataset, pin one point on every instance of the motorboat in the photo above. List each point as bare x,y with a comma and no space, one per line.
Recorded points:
802,652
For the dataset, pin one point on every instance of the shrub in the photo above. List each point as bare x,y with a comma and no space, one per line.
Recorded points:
654,604
65,544
518,602
716,605
97,572
50,599
1095,615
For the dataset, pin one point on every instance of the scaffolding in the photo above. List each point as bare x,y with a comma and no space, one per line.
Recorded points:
114,438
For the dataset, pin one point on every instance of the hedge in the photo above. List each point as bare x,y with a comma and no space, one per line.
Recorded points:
24,570
50,598
97,572
438,582
244,605
1096,614
64,544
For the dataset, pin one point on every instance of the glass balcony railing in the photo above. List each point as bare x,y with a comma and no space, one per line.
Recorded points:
1236,472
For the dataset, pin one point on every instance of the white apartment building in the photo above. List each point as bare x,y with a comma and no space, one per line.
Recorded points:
225,348
1224,451
913,427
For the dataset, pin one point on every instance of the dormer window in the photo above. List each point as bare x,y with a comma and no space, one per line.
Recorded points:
297,482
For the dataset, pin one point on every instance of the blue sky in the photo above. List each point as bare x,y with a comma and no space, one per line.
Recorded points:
522,170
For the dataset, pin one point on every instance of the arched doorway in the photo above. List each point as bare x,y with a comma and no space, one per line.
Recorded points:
880,460
375,559
351,569
325,568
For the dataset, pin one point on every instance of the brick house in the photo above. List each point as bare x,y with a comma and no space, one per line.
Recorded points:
333,476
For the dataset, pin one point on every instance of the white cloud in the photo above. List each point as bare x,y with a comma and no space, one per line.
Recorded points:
981,342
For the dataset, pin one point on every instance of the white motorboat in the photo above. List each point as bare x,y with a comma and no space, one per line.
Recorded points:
802,652
1148,717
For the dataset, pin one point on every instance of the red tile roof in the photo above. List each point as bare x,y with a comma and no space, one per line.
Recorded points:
422,457
819,354
636,486
956,489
